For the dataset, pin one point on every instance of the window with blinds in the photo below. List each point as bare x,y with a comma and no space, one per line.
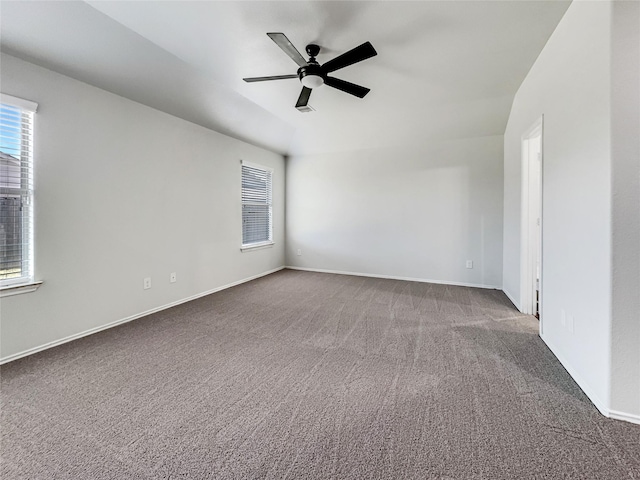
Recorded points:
256,205
16,190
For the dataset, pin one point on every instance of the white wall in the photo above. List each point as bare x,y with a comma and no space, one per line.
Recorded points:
570,85
125,192
625,122
410,212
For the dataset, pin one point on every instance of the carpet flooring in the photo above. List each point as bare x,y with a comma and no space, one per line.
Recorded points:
309,375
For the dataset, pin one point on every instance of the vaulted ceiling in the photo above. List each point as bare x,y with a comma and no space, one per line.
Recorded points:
444,69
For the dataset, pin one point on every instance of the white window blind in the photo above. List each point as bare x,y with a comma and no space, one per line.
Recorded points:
16,190
256,205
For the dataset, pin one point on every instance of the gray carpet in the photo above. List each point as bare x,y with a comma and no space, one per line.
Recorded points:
305,375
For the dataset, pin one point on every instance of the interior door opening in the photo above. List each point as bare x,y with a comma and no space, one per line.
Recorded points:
531,252
535,164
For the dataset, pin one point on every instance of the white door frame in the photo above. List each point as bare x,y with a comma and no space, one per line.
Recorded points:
529,231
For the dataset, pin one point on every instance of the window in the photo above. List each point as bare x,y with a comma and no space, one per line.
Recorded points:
16,191
256,206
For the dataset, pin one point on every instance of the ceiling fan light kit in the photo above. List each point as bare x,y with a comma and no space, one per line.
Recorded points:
313,75
311,80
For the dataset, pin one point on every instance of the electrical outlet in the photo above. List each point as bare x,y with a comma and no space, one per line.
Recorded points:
299,252
566,320
469,263
570,323
173,277
147,283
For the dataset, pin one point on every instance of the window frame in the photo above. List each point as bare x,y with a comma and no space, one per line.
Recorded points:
26,191
261,244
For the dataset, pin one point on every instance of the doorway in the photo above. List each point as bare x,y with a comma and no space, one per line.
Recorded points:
531,234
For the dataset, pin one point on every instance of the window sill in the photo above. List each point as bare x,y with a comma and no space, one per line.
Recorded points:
257,246
10,290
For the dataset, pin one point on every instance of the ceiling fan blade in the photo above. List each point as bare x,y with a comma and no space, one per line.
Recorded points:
355,55
264,79
347,87
303,99
283,42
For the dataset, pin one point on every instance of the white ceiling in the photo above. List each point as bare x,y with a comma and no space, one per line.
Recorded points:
445,69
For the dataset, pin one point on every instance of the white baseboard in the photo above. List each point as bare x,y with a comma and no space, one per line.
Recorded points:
513,300
392,277
602,407
627,417
91,331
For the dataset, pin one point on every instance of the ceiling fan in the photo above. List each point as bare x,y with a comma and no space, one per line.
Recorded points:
313,75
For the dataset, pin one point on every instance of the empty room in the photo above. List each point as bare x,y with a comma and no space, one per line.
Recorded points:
320,239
